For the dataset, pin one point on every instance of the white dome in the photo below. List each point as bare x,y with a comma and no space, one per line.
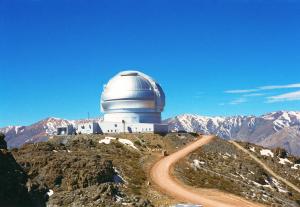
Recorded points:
132,92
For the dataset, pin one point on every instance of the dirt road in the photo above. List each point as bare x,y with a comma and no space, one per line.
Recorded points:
266,168
161,175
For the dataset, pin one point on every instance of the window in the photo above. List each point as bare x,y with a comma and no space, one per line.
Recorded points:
82,127
116,125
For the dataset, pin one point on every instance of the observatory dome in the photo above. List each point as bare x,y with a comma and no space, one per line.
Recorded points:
132,96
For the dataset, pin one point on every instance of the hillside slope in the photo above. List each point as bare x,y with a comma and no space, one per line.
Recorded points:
90,170
95,170
221,165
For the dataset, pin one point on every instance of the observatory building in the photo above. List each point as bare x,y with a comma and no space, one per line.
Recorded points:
132,102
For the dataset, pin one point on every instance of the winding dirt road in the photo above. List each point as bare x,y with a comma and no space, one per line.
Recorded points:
161,175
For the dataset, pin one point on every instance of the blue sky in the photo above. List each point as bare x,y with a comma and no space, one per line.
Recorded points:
211,57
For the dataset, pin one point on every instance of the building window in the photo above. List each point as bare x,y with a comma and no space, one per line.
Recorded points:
116,125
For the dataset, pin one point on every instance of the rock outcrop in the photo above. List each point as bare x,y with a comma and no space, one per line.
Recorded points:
16,188
80,172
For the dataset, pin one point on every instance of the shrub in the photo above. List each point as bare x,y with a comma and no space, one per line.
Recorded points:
137,142
118,145
3,144
282,153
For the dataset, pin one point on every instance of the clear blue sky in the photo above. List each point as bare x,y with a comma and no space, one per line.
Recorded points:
55,55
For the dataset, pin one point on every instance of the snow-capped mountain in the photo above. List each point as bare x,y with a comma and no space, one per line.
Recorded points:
16,136
276,129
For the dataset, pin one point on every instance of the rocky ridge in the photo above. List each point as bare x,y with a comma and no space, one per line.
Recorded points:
276,129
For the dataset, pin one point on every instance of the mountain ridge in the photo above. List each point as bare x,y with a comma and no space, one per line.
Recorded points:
274,129
280,128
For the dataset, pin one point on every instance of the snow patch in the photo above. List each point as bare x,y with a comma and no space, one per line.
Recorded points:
128,143
50,193
295,167
242,176
118,198
279,187
284,160
106,140
252,149
227,154
266,152
260,185
196,163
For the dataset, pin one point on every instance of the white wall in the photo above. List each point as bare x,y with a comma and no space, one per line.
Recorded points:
118,127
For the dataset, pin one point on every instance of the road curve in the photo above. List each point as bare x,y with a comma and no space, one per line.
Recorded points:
266,168
161,175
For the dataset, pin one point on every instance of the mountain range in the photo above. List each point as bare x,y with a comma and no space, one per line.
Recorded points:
275,129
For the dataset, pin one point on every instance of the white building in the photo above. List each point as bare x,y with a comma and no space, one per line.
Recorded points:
117,127
132,102
88,128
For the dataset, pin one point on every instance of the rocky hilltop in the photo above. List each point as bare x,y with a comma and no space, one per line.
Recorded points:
84,172
99,170
89,170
